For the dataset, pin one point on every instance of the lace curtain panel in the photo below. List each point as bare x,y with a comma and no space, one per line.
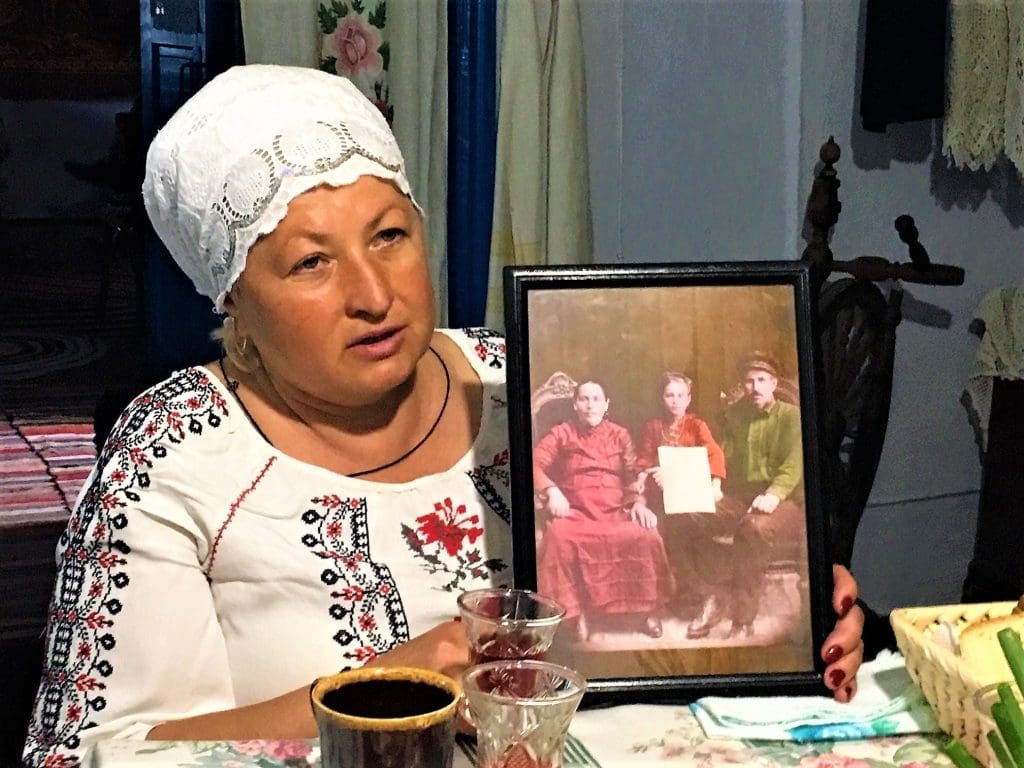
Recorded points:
985,114
396,53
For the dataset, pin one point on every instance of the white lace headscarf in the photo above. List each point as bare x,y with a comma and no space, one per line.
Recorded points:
223,169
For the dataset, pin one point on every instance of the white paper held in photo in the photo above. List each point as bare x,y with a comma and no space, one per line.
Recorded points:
686,480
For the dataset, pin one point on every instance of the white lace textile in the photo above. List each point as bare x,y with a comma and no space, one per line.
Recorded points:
223,169
1000,353
1015,84
975,115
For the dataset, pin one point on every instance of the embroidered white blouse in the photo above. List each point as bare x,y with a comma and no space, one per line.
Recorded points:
203,569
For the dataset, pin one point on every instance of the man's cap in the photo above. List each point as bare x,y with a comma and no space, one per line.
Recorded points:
758,361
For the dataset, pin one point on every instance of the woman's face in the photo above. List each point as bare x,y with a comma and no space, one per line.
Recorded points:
337,299
676,397
591,404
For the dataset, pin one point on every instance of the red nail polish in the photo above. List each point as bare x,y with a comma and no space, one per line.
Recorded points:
849,692
833,654
836,677
845,606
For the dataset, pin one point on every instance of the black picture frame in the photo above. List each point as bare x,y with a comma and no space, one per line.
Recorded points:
624,325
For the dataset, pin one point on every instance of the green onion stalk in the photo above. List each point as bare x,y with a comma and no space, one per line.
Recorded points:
1007,741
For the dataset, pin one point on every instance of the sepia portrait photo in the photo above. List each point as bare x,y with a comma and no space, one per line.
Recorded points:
667,413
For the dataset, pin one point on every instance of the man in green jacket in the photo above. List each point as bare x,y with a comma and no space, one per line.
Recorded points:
763,503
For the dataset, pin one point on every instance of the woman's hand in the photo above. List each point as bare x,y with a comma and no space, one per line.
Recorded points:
642,515
843,649
558,505
655,472
716,488
442,649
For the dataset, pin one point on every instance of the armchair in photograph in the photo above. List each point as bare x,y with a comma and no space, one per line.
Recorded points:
551,403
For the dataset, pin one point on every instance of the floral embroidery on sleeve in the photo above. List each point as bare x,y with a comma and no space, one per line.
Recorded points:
94,562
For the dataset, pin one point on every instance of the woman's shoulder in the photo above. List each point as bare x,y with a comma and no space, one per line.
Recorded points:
188,404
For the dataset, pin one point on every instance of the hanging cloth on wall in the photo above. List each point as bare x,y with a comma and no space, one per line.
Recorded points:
904,62
1014,139
994,398
974,130
542,186
1000,354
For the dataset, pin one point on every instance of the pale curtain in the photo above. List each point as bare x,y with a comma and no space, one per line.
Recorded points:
281,32
419,90
542,192
985,114
396,53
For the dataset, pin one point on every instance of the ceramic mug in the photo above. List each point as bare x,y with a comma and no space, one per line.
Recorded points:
386,717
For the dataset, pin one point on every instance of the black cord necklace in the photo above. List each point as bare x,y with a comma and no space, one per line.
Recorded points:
233,386
440,413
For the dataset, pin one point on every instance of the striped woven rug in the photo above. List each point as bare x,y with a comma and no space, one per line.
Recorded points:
69,332
44,461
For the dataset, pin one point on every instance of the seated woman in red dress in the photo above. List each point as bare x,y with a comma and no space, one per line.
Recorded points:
600,552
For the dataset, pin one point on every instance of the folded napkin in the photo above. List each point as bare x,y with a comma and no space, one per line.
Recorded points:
887,702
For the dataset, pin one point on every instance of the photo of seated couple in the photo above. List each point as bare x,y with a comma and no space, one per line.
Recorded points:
659,525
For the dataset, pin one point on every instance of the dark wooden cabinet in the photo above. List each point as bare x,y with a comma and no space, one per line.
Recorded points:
184,43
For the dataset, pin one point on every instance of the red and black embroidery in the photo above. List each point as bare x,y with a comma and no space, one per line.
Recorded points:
367,603
488,478
445,540
94,571
490,346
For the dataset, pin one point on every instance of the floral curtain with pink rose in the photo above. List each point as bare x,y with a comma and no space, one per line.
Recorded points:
355,47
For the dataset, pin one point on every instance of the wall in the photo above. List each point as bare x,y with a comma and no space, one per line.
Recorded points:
705,121
43,135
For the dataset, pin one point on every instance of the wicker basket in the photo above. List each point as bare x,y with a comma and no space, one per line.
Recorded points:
947,681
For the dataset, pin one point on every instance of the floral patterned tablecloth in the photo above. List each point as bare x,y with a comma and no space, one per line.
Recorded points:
619,737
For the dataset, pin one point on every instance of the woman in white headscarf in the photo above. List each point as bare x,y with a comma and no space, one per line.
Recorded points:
318,497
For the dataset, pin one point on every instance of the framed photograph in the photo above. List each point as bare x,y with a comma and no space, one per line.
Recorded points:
666,474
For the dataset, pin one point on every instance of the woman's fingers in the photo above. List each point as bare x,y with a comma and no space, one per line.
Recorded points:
843,649
847,692
845,592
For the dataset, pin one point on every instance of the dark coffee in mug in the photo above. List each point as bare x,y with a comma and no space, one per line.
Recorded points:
386,717
387,698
